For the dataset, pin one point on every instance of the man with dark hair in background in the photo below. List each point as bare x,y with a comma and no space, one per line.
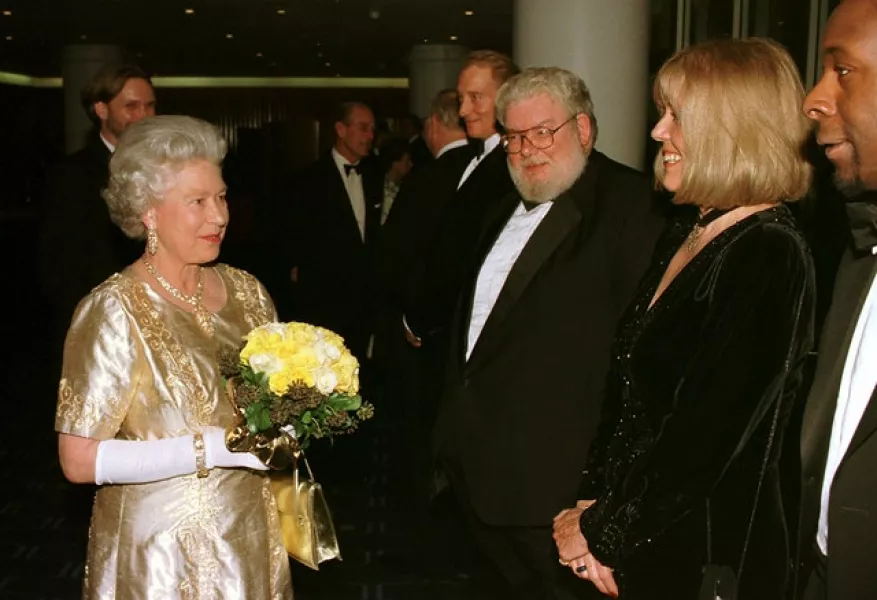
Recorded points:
334,218
411,128
79,245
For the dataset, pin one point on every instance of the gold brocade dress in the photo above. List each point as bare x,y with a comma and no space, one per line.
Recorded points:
137,367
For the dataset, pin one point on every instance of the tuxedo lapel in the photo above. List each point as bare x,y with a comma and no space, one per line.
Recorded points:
564,217
340,198
560,220
850,292
495,223
866,427
490,166
373,193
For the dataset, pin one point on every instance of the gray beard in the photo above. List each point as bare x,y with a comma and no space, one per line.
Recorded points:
547,191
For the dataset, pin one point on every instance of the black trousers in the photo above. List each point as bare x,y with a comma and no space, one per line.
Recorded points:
524,558
816,589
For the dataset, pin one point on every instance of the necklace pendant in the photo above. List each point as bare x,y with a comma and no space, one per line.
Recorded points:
693,238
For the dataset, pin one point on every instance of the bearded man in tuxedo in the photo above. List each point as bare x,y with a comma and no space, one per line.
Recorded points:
556,263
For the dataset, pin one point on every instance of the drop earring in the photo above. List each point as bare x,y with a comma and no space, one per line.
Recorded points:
151,241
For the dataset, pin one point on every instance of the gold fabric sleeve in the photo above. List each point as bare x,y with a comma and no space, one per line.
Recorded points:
100,369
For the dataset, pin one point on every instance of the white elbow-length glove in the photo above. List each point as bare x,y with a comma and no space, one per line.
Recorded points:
129,461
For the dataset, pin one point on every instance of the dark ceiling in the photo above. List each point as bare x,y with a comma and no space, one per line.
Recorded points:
269,38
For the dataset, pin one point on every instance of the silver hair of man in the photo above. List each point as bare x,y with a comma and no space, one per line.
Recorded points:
149,155
564,86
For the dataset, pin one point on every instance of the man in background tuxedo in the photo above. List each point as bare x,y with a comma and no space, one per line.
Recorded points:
483,181
837,541
79,245
413,225
557,263
331,230
407,235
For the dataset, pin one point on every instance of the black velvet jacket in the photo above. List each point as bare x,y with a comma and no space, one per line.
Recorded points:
687,377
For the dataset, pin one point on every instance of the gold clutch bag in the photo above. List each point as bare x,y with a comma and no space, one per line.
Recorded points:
305,521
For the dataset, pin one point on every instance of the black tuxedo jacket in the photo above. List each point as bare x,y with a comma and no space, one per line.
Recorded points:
413,224
336,271
516,419
852,513
453,252
79,245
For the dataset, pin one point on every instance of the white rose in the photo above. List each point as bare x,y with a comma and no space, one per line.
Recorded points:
325,380
332,352
276,328
320,351
266,362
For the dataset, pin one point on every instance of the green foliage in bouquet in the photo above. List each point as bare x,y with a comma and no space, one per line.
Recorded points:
299,375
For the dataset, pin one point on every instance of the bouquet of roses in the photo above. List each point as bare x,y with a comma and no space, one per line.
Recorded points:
293,376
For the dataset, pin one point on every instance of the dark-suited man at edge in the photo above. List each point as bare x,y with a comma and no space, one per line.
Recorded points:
558,261
79,245
837,545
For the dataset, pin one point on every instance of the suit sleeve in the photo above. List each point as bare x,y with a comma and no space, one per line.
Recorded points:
754,289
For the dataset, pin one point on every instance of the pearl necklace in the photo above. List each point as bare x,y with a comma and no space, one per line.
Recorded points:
202,316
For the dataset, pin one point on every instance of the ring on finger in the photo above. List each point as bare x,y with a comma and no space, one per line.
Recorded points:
581,569
563,563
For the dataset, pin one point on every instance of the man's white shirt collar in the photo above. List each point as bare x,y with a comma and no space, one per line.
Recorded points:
340,161
451,146
107,143
490,143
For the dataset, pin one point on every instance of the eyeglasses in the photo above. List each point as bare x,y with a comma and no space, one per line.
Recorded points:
540,137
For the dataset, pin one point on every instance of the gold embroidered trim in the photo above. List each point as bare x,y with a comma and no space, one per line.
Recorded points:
181,372
246,289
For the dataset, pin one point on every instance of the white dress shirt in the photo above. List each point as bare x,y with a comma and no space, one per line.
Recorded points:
353,184
451,146
489,144
856,387
110,147
498,264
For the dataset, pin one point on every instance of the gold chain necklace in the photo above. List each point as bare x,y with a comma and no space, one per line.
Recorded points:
202,316
703,221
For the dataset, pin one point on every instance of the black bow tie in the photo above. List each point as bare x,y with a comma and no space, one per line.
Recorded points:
862,217
357,167
476,147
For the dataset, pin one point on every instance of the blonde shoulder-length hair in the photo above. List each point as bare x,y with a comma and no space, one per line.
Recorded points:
738,103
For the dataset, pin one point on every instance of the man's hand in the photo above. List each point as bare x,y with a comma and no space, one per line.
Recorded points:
572,547
568,536
413,339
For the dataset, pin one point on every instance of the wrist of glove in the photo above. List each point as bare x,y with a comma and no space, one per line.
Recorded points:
130,461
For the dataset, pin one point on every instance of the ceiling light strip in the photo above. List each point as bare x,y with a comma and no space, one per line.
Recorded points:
231,82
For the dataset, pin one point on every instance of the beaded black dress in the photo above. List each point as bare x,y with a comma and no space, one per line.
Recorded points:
688,376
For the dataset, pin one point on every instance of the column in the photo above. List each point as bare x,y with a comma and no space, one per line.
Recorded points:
432,68
79,64
606,43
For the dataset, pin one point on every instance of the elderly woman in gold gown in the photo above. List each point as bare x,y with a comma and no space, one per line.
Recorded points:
141,408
